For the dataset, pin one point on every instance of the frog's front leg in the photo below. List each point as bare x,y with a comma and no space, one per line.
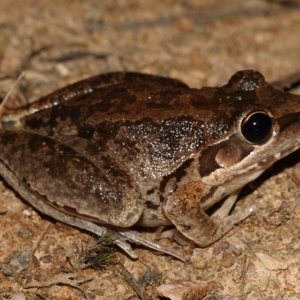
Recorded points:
184,210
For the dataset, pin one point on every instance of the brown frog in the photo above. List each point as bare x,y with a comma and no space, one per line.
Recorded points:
121,149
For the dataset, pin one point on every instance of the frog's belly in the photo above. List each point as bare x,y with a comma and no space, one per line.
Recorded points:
152,215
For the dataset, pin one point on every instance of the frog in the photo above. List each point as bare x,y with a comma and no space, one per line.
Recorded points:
123,149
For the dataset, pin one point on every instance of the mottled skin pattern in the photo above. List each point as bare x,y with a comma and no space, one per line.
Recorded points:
127,148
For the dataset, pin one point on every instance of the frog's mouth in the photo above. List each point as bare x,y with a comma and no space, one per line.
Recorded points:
235,161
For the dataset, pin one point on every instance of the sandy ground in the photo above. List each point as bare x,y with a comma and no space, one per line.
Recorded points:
201,43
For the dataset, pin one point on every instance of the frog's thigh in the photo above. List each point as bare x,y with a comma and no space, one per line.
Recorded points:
183,209
68,180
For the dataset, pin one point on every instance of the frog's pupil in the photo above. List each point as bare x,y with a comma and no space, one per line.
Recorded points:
257,127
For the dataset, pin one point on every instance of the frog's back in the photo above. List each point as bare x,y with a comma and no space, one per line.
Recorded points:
154,126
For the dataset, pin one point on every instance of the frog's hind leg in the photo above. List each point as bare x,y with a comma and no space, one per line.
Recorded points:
184,210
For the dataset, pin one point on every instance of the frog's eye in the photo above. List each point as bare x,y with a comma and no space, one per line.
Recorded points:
257,127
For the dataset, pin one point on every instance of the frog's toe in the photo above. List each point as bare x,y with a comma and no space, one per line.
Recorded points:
226,224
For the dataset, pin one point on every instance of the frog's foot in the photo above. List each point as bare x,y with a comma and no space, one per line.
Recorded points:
175,235
137,238
122,237
183,209
225,223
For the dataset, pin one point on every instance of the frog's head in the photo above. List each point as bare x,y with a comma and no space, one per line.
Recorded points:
265,128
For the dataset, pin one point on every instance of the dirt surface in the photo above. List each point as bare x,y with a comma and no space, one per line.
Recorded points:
201,43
